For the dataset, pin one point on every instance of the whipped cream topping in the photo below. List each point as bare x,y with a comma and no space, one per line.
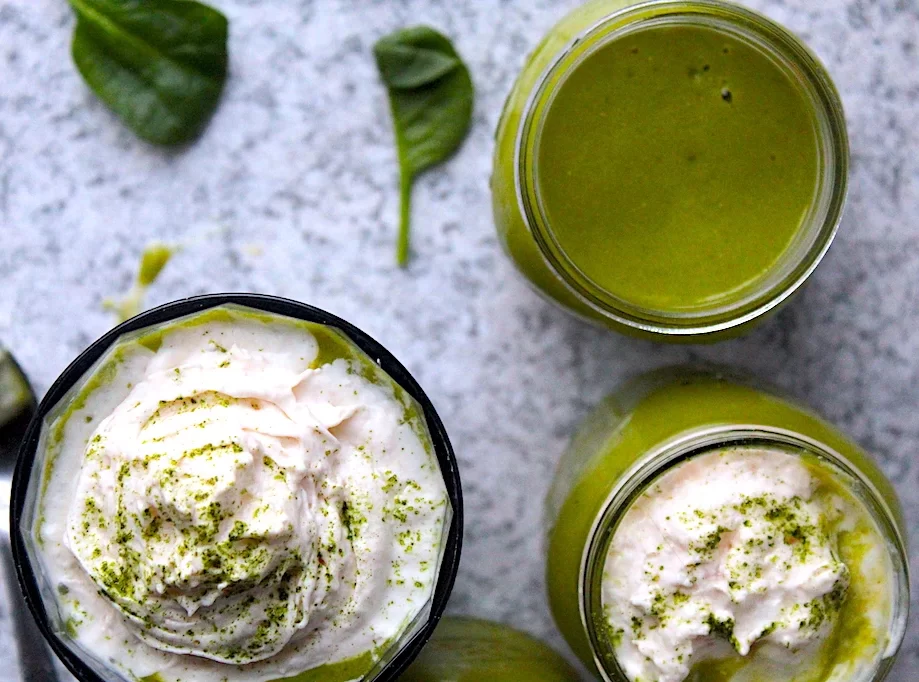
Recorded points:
725,550
243,504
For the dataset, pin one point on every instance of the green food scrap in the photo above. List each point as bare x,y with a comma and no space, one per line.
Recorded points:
153,260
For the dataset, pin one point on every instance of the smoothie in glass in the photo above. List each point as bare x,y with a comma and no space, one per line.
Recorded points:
702,528
236,490
671,169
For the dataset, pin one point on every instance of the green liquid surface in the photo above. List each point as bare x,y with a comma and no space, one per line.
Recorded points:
676,166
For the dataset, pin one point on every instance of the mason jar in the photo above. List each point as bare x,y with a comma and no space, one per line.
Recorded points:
581,225
88,619
664,420
472,649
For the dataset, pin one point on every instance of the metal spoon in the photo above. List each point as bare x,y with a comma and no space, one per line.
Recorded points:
17,405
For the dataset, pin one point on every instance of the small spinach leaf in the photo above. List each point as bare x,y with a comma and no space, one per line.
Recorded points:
160,65
430,94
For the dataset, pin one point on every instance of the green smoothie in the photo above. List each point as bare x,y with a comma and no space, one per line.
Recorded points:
244,509
672,169
677,164
610,449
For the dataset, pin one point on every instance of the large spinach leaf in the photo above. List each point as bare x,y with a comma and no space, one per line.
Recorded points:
160,65
431,95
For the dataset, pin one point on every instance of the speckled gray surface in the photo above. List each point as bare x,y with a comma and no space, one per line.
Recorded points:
291,191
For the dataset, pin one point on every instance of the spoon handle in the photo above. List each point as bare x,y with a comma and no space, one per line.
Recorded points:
35,664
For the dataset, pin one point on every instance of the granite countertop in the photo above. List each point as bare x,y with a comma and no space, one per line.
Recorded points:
292,191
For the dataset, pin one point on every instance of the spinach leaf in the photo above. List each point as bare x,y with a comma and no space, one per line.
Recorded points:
430,94
160,65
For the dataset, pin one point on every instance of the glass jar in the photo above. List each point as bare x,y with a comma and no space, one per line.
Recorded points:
66,407
649,426
472,649
534,245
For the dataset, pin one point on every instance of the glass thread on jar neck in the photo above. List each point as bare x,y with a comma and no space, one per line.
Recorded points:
644,472
817,230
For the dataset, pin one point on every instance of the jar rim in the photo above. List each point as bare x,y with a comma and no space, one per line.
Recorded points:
655,463
820,225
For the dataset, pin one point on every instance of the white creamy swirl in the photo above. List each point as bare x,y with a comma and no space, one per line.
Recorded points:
236,496
726,550
211,511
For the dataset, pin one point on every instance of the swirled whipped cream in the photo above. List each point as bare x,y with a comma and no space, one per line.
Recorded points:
726,550
244,511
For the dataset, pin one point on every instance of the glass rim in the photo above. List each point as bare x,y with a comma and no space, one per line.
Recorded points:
407,650
820,225
642,473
